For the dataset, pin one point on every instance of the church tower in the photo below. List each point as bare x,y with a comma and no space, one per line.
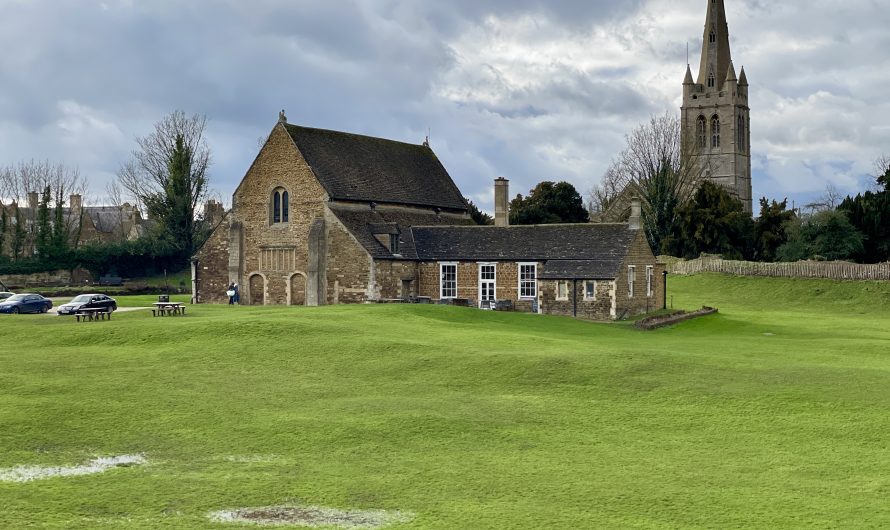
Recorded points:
715,113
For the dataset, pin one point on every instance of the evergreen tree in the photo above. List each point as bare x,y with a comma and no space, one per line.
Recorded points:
714,222
172,207
869,213
769,228
661,216
549,203
59,243
19,234
4,224
44,229
826,235
478,216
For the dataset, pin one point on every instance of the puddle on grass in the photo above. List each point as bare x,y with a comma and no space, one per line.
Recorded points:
311,517
96,465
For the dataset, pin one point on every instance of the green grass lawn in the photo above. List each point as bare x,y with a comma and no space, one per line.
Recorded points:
773,413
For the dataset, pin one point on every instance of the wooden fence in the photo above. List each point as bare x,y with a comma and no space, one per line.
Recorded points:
834,270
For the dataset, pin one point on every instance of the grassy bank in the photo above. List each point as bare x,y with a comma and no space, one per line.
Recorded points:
772,413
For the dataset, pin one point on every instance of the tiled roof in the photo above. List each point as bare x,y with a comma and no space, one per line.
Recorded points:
363,223
580,269
598,242
352,167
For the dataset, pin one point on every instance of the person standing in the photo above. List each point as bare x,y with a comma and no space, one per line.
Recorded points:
231,292
237,294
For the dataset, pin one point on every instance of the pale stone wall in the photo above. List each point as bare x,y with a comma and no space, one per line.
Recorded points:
598,308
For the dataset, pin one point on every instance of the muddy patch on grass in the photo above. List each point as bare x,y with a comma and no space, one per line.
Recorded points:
311,517
96,465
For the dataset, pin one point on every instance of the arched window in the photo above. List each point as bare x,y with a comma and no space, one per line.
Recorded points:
715,131
741,134
712,38
280,207
701,132
712,81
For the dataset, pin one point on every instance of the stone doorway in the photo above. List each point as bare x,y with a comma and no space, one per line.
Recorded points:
298,289
257,290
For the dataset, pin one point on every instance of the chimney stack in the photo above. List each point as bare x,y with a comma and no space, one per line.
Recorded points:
501,202
33,201
636,214
74,202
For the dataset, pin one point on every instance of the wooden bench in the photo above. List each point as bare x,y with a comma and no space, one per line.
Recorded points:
92,314
168,309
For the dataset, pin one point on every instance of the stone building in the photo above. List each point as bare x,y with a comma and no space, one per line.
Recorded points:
85,224
324,217
715,113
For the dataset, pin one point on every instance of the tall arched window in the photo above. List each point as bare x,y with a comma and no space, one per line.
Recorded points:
715,131
741,134
712,81
701,132
280,207
712,38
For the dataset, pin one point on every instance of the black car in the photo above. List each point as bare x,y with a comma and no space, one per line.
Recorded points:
88,301
26,303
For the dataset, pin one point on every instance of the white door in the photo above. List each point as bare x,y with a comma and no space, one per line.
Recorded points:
487,285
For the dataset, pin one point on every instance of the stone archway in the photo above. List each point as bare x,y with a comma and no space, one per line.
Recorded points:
257,289
297,289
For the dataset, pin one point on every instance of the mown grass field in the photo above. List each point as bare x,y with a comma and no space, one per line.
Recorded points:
774,413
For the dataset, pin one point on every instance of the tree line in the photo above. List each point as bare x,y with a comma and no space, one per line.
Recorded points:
167,178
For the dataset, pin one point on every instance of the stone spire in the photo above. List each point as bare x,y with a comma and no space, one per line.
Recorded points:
715,54
688,80
743,79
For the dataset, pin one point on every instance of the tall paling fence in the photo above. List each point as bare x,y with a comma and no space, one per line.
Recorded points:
833,270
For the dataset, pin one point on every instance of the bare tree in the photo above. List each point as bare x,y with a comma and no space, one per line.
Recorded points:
661,166
177,142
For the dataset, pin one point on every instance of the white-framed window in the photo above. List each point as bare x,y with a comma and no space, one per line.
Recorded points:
487,283
590,290
528,280
631,278
447,280
562,290
650,273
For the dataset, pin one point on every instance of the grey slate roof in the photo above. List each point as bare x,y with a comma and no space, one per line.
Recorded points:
363,223
597,242
580,270
352,167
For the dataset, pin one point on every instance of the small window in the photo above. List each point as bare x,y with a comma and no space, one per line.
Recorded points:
631,279
448,280
280,207
712,81
712,38
650,272
715,131
394,243
528,280
562,290
590,290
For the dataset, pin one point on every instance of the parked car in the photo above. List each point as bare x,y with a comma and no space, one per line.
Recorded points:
26,303
4,295
88,301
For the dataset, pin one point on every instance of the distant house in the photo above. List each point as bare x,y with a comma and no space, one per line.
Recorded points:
325,217
85,224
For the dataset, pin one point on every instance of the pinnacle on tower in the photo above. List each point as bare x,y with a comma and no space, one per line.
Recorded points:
743,79
688,80
730,75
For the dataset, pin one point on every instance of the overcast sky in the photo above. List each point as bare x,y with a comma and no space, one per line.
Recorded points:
527,89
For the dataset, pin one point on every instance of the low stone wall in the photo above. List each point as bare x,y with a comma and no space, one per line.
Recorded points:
661,321
832,270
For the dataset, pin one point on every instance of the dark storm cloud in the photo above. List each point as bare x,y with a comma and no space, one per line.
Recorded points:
530,89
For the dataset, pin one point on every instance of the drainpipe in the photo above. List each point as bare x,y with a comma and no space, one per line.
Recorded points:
575,298
665,293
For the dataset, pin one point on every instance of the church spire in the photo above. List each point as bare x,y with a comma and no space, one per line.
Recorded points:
715,54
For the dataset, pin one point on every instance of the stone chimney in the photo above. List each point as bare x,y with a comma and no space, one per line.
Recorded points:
635,222
501,202
75,202
33,201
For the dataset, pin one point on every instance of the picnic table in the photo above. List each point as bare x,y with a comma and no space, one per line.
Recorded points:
168,309
92,314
